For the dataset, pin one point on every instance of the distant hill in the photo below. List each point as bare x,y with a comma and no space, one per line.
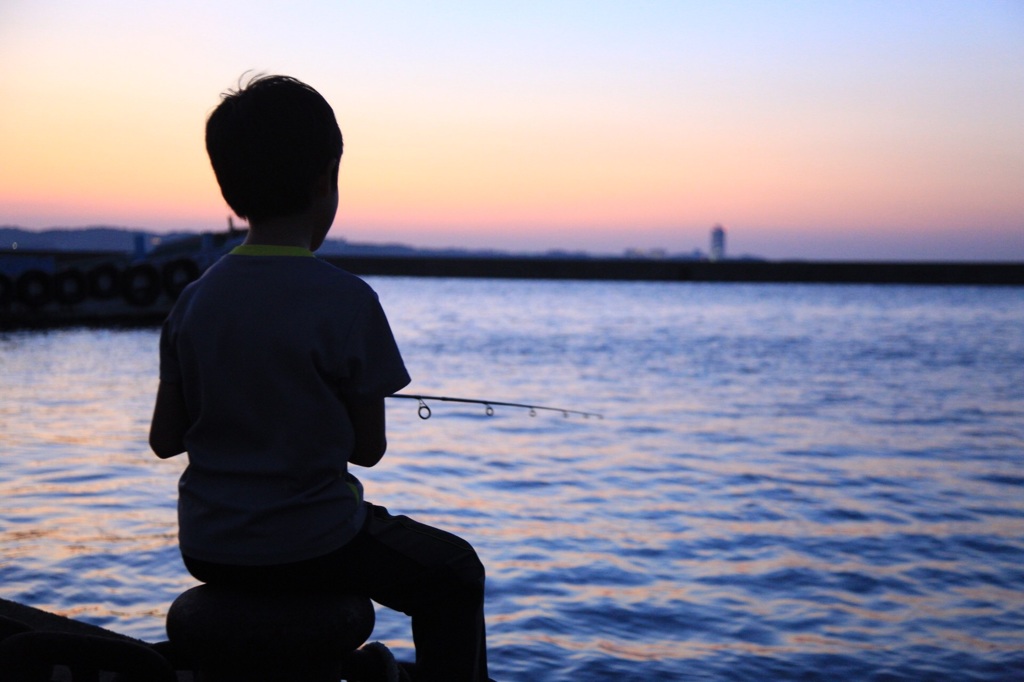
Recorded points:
76,239
104,238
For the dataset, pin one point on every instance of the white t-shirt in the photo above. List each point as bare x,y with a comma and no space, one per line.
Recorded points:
266,346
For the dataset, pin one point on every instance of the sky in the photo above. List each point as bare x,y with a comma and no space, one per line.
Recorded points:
816,130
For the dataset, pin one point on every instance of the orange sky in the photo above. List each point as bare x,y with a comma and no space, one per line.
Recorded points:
862,129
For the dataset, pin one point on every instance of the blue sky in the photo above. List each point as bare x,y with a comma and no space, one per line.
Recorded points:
809,129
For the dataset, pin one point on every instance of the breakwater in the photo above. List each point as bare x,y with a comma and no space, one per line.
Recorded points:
671,270
55,288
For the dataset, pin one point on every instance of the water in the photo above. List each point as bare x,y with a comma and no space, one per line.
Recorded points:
790,482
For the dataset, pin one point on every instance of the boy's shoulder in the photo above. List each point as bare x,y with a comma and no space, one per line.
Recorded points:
307,265
245,277
332,275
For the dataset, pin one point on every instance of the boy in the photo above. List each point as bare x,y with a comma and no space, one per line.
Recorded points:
274,367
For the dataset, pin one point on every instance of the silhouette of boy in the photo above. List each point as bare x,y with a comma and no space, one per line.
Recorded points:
274,367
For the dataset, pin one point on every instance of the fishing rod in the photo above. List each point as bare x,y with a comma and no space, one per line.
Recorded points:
424,410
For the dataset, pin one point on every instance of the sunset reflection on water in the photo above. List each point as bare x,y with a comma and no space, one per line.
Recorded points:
775,489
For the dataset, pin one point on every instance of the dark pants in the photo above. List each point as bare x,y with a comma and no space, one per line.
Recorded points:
432,576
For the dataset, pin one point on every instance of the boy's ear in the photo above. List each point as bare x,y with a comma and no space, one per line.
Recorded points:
327,182
332,174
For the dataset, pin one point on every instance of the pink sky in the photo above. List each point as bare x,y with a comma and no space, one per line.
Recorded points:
823,130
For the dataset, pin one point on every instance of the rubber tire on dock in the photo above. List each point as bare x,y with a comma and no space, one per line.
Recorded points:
34,288
104,281
140,285
6,290
70,287
177,275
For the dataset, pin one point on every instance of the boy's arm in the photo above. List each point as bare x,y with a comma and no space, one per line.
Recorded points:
368,424
170,421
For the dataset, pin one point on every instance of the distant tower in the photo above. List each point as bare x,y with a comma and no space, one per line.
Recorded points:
717,242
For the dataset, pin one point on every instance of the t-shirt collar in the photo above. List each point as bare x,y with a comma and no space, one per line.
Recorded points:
270,250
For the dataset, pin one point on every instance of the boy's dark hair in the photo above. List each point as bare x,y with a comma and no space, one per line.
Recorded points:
268,142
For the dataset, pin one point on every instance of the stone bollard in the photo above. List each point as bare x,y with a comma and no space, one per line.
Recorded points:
230,635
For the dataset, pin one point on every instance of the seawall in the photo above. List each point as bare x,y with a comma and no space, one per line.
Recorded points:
48,289
626,269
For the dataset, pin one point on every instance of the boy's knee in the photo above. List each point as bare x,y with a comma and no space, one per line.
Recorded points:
468,574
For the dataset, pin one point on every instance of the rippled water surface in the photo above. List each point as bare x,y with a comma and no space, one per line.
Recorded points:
790,482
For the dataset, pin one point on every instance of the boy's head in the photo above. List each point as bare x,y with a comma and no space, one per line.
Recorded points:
269,142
